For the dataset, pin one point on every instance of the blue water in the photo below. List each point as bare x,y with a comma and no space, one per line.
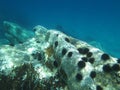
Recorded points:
88,20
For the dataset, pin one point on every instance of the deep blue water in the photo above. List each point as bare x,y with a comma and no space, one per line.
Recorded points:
89,20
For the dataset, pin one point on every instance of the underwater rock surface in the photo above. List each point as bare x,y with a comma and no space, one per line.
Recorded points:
52,60
16,34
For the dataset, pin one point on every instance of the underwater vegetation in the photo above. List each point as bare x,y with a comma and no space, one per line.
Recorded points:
52,60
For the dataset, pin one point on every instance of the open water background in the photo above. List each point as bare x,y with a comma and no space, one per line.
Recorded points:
88,20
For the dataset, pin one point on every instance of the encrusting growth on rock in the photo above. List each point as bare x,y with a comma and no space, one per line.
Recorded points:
57,62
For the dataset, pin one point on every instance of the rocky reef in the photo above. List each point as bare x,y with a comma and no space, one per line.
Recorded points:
16,34
52,60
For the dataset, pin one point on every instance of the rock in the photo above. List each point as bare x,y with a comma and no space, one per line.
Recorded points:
4,41
15,34
52,60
